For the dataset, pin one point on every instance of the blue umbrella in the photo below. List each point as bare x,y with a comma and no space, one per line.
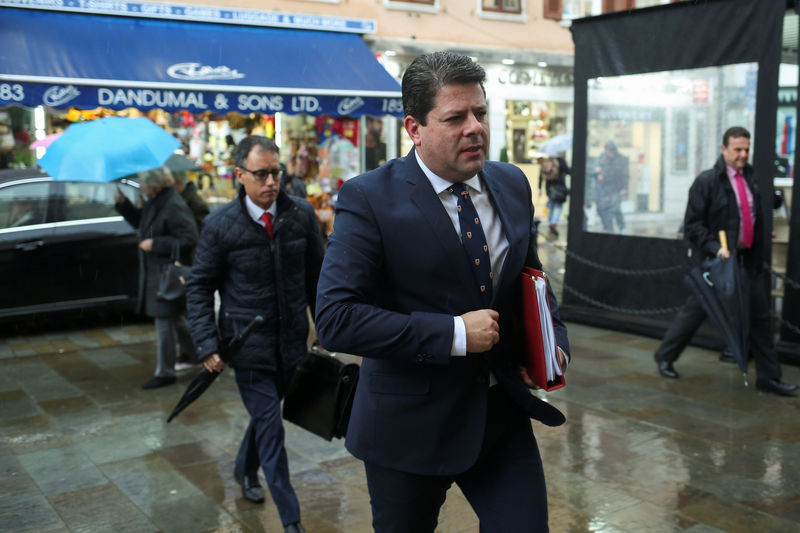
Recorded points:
107,149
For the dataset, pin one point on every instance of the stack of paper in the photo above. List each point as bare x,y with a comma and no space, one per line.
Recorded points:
552,368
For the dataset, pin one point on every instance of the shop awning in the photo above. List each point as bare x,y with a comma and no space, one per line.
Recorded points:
61,60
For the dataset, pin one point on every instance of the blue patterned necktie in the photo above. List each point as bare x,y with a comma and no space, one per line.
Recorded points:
474,241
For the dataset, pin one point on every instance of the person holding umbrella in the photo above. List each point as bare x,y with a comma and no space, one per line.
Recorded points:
726,198
262,252
164,223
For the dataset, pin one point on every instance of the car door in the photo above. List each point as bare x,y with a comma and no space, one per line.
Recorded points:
25,230
95,248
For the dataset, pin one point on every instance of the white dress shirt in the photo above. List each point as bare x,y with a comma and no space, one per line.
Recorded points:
256,212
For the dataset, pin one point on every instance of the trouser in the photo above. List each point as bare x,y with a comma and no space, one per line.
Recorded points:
505,486
553,211
691,316
263,442
170,332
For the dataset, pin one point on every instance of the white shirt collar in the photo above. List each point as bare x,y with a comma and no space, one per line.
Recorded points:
440,184
255,212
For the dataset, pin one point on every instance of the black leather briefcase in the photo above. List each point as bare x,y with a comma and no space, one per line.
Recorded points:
320,395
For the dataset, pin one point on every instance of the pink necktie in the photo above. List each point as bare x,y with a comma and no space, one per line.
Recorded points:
747,216
267,218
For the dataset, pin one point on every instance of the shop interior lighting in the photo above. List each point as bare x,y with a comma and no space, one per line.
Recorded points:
389,53
542,64
508,61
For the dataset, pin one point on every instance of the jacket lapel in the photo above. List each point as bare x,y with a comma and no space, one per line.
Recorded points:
516,235
431,209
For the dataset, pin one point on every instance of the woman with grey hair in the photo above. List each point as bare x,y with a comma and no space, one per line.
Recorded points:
164,222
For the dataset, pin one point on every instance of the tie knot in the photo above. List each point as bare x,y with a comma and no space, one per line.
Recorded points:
459,189
266,217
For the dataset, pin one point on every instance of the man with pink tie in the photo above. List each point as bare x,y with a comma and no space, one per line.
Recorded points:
726,198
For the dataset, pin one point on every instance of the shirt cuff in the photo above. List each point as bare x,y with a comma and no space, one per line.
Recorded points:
459,347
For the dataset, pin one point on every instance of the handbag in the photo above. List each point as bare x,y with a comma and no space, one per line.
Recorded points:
172,283
558,193
320,395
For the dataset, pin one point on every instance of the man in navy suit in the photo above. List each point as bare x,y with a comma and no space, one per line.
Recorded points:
441,397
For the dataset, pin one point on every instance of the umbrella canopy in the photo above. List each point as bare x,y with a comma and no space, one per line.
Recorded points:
204,379
724,293
107,149
556,145
178,162
47,141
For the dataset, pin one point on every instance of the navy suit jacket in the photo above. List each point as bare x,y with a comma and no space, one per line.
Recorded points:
394,275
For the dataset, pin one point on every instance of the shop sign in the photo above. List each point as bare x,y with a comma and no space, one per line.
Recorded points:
626,114
88,97
250,17
534,77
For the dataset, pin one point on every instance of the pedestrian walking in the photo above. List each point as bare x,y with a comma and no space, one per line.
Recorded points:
726,198
164,224
421,278
262,252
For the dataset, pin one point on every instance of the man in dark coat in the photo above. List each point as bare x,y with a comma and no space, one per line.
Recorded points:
262,252
422,279
165,225
723,199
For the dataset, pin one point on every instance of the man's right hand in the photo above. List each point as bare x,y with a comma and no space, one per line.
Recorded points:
482,329
723,253
213,363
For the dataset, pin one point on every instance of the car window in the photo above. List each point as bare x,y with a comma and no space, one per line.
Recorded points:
23,204
93,200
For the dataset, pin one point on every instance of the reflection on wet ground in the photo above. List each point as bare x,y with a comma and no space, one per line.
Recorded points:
83,448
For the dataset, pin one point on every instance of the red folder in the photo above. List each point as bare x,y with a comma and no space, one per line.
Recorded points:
534,362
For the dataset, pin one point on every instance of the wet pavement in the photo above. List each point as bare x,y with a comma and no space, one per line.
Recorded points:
83,448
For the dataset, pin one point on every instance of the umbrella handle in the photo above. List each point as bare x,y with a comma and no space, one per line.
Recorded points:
723,239
707,279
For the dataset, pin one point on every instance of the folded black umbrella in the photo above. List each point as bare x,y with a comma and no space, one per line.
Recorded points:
205,378
723,290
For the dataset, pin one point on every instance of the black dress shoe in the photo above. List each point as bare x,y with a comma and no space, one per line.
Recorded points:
251,488
665,368
297,527
159,381
775,386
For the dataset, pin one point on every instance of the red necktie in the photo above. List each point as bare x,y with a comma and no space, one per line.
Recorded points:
747,216
267,218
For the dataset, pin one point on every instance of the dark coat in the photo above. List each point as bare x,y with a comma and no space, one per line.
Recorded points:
712,207
255,275
395,274
168,221
196,204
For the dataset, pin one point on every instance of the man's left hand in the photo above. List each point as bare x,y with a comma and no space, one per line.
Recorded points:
562,362
146,245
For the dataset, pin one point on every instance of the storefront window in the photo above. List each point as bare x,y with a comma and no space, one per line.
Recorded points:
648,137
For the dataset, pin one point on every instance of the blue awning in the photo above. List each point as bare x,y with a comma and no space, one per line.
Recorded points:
61,60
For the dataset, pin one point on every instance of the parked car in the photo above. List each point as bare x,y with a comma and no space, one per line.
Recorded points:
63,245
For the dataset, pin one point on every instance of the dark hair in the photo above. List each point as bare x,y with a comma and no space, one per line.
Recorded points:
430,72
247,144
611,147
735,132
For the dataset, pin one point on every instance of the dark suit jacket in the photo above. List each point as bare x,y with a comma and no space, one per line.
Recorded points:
394,275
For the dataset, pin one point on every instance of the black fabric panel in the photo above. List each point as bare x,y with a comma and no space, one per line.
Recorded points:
670,37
